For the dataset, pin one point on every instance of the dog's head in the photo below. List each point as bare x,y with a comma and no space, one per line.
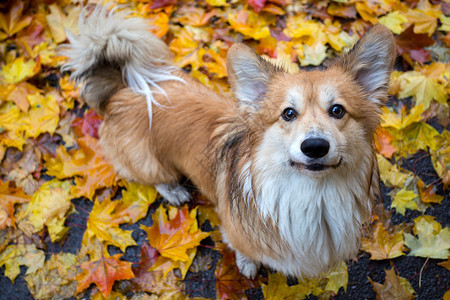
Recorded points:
318,121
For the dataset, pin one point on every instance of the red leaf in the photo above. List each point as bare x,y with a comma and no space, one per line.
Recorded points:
230,284
103,273
257,4
87,125
162,3
148,257
412,45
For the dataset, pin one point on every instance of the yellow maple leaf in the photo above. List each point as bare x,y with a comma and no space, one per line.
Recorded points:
19,70
277,288
441,157
432,241
251,24
103,224
422,88
404,199
445,22
394,21
15,256
48,206
390,174
337,278
14,122
383,245
402,120
424,17
184,46
135,200
313,55
174,235
166,265
43,115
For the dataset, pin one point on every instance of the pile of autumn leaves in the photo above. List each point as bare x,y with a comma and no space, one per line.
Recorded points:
50,155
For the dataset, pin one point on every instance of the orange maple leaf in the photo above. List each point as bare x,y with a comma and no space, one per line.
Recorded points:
8,198
103,273
175,236
383,142
87,162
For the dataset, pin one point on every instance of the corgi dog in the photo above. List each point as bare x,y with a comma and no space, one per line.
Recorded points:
289,164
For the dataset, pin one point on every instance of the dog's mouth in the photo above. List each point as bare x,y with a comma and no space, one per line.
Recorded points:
316,167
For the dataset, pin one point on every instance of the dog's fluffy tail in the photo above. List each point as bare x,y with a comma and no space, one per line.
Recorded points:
113,51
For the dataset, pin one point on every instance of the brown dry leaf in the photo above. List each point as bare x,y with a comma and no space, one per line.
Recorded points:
56,279
13,21
394,287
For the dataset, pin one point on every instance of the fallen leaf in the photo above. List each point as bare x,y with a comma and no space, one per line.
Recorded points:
432,241
87,162
403,199
428,194
88,124
230,283
8,198
103,272
277,288
15,256
135,201
250,24
48,206
390,174
394,21
411,45
337,278
383,142
103,224
172,237
14,21
383,245
56,278
19,70
394,287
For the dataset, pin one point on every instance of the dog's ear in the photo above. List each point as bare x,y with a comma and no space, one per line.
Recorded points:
370,62
248,75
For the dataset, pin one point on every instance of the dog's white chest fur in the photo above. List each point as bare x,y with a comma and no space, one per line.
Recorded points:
318,219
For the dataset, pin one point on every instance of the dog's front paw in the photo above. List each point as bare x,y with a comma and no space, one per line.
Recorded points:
175,194
248,267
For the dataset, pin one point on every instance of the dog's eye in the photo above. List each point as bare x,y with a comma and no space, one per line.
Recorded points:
337,111
289,114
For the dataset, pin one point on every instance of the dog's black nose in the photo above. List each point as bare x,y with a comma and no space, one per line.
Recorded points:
315,147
